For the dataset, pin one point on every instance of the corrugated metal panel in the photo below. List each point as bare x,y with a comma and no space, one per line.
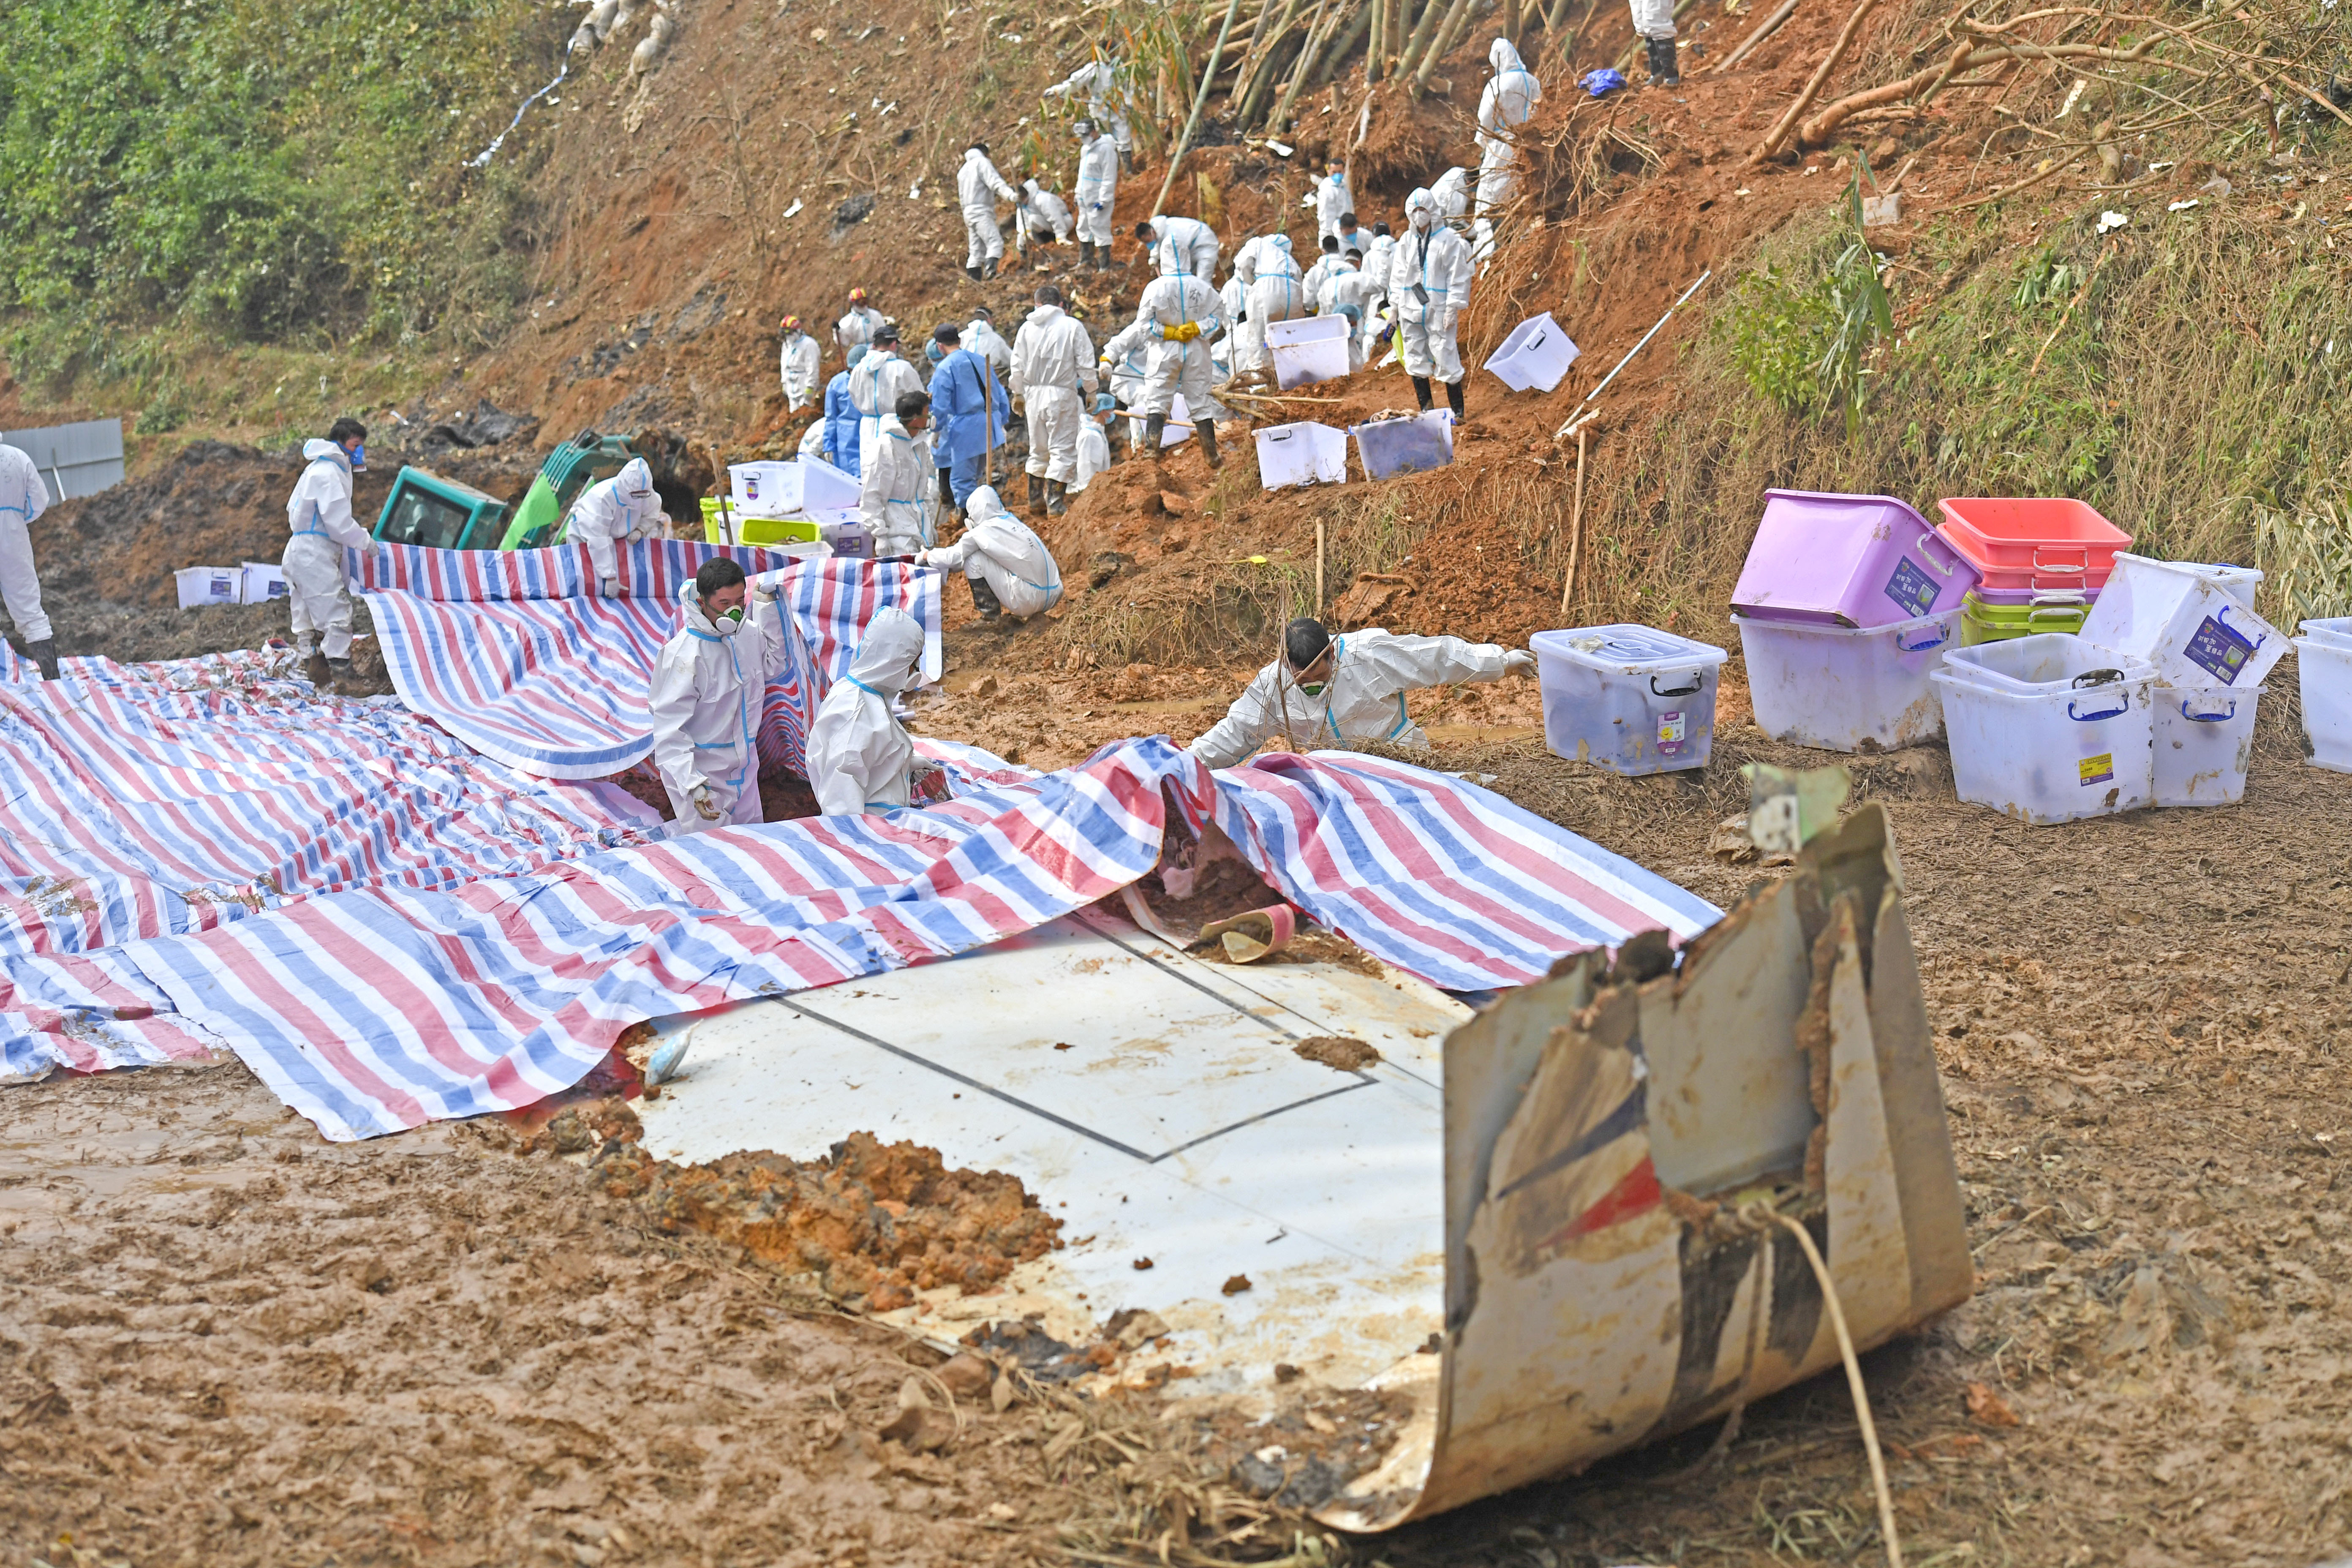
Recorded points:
79,459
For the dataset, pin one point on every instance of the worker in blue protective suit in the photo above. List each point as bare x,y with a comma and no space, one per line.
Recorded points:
841,416
709,691
969,406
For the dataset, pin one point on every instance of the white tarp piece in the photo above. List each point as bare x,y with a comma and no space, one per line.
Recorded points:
76,459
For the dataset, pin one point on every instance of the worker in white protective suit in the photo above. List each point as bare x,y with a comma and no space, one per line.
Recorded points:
1108,101
1511,95
1310,288
801,362
1096,193
1428,284
981,336
1011,571
1126,361
1094,442
1348,291
876,384
1654,20
1275,295
860,758
1451,192
1054,377
24,496
1331,200
860,325
1179,245
978,187
318,519
898,479
622,509
1181,313
1324,692
1040,217
709,691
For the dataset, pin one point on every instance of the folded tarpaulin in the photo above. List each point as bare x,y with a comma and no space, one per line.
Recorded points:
379,1009
515,654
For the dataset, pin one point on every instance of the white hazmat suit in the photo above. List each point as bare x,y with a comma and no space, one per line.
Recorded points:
1361,699
999,549
895,478
978,187
1348,289
1276,294
981,336
1428,284
876,383
709,689
800,364
1451,192
857,327
1184,245
318,517
859,756
24,496
1097,188
1180,361
1509,99
1331,203
1105,99
1053,375
1041,218
624,507
1094,453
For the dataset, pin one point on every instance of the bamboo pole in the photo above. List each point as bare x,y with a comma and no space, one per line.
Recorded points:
1259,75
1456,20
1511,23
1319,565
1318,38
1380,38
1419,40
1334,53
1763,30
1575,527
1820,78
1199,102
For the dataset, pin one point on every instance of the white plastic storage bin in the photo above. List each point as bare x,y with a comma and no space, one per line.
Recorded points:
2204,739
2185,621
1308,348
1302,454
795,488
201,585
2028,740
1633,700
1840,686
261,582
2323,658
1536,355
1411,444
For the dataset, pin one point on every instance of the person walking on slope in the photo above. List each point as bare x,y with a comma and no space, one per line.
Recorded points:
980,187
709,694
24,496
802,359
860,758
881,378
839,446
1511,95
318,519
1097,192
1654,21
1041,218
1331,199
892,491
1428,284
1179,245
1053,374
1181,313
860,325
1106,101
622,509
1325,691
1011,571
969,406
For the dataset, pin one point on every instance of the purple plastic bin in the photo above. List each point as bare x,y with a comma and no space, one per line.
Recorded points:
1847,561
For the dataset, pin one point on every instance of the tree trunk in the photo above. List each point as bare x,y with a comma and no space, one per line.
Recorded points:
1447,35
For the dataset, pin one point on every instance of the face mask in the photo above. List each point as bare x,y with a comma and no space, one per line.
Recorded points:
1312,690
359,459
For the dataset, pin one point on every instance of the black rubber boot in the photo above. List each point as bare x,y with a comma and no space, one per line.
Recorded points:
985,599
1057,499
1155,425
339,671
1127,159
44,655
1669,73
1454,397
315,670
1207,432
1086,257
1036,492
947,486
972,273
988,272
1421,390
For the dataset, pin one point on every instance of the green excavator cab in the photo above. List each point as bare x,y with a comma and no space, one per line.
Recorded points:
571,468
423,509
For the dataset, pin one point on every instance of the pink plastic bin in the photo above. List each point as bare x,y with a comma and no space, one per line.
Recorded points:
1847,561
2033,543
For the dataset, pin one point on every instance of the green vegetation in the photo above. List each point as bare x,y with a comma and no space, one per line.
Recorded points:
1805,345
285,172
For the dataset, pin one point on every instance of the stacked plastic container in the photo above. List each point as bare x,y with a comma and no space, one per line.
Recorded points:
1845,607
1631,699
2040,564
2324,662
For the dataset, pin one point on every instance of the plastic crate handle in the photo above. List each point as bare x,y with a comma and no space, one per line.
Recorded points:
2085,549
1942,637
2221,614
2053,613
1927,557
1697,680
2209,718
1534,343
2095,718
1281,435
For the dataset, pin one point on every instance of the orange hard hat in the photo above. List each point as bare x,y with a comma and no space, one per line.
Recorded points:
791,323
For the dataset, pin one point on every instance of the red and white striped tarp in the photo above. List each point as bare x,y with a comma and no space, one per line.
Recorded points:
513,652
383,1007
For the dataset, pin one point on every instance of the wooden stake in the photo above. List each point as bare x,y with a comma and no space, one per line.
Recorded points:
1319,565
1575,527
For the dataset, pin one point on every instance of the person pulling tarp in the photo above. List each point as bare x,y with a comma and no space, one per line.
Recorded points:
860,758
625,507
1325,691
318,517
1011,571
709,688
24,496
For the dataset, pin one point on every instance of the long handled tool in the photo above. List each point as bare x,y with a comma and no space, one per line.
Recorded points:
1637,348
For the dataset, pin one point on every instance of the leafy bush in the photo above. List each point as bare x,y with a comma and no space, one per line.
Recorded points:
1803,345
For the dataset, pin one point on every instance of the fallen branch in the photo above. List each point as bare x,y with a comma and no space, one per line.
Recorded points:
1770,26
1820,77
1965,57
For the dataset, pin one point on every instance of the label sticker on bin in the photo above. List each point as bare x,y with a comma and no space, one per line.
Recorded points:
2100,769
1912,589
2218,649
1672,730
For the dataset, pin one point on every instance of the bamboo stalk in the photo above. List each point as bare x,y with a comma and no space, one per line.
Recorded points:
1199,102
1575,527
1419,40
1379,9
1259,74
1333,55
1757,35
1306,53
1456,18
1820,79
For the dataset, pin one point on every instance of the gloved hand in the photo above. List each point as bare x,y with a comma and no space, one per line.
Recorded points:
1440,320
1186,332
704,806
1518,661
609,587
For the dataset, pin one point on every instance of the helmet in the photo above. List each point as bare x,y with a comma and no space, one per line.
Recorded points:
857,296
791,323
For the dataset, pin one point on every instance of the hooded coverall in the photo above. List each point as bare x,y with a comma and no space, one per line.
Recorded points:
1179,365
980,187
1104,98
1053,363
1363,698
1428,284
799,366
709,689
1184,245
1509,99
24,496
999,550
876,383
859,756
1041,216
897,480
624,507
1097,189
318,516
841,420
1275,295
1331,200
